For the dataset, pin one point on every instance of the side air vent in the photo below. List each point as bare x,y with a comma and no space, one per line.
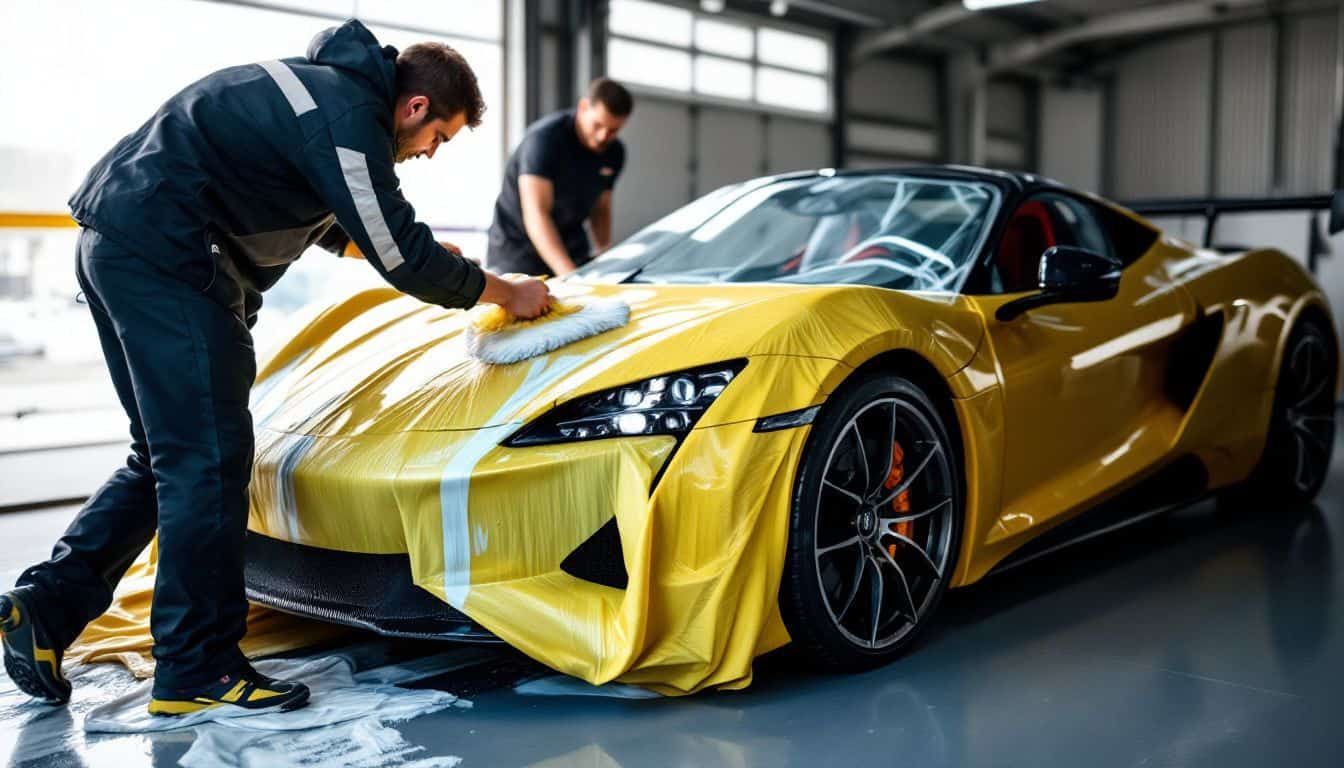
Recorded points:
600,559
1191,356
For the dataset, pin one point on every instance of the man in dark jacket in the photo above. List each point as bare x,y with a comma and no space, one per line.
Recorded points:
185,223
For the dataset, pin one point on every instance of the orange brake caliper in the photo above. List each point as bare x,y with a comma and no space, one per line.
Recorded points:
901,504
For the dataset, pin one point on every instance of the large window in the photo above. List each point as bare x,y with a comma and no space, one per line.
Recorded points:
678,51
77,75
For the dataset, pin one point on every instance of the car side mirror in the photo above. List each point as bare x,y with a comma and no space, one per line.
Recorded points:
1066,268
1068,275
1336,212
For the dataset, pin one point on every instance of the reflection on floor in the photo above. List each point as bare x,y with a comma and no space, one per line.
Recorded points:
1192,640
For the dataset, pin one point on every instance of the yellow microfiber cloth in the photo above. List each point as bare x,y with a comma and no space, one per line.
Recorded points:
494,336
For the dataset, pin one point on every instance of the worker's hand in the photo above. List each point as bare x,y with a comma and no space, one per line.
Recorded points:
528,298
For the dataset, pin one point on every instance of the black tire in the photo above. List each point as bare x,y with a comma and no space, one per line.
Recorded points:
823,581
1301,437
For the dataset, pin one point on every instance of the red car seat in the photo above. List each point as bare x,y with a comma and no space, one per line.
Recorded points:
1028,235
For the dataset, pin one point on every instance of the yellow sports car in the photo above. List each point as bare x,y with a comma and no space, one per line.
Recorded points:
837,395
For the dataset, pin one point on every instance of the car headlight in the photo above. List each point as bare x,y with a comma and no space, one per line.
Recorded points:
662,405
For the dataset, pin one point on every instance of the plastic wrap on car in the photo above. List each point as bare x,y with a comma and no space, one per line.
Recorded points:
376,434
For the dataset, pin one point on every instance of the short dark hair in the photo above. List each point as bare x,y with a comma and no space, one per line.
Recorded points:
612,95
441,74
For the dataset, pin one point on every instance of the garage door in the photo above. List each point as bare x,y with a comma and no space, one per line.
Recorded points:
729,147
720,97
676,152
657,176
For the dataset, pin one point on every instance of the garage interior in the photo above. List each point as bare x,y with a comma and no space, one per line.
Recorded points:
1193,638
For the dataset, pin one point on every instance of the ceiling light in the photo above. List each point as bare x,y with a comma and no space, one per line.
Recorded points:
980,5
712,6
778,7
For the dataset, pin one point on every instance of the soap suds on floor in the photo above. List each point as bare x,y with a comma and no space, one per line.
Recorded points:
347,723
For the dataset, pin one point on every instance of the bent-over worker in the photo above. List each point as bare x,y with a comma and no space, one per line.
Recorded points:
185,222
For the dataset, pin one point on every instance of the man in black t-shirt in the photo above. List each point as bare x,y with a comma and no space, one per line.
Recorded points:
560,176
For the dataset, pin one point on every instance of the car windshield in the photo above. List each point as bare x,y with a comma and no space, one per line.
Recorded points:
891,231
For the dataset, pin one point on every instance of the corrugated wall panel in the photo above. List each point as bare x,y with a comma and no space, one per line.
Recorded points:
862,162
1246,111
550,74
796,145
1309,103
1161,119
1006,109
731,148
903,90
884,139
1006,154
1070,142
657,177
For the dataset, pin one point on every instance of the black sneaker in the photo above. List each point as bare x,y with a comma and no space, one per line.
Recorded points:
246,689
32,660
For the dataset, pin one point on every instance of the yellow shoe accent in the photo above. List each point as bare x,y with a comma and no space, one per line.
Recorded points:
159,707
15,617
235,693
49,656
263,693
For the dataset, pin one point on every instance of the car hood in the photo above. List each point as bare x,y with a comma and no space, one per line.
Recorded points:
383,363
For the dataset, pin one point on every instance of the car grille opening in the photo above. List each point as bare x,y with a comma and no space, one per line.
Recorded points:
600,559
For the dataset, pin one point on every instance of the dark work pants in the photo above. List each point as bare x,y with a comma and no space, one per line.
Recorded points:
183,366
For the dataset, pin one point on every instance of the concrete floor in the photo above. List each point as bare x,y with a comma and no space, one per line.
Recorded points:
1192,640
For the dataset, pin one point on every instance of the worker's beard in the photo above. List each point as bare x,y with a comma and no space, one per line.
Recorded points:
405,136
402,152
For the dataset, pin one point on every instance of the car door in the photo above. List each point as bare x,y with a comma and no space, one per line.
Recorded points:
1083,383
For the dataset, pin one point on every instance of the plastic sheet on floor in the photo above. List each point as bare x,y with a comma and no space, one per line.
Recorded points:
336,698
348,722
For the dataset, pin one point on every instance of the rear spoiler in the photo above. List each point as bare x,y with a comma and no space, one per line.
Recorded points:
1211,208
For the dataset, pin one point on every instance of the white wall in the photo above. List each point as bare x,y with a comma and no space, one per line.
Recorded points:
905,90
796,145
729,143
657,175
676,152
1245,123
1070,139
1007,125
77,75
894,113
1310,102
1225,106
1169,119
1161,119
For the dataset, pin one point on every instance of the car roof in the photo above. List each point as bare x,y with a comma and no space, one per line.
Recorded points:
1018,181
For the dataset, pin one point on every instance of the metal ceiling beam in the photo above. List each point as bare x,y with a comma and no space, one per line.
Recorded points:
921,26
1149,20
837,12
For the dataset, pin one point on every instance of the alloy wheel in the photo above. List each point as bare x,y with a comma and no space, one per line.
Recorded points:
883,524
1310,411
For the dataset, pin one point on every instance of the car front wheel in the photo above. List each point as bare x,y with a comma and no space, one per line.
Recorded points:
876,525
